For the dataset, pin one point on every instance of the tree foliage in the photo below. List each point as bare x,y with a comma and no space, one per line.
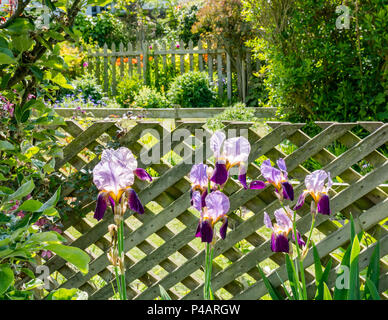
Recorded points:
318,69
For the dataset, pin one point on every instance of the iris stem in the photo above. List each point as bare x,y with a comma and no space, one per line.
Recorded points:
208,271
122,256
310,233
118,283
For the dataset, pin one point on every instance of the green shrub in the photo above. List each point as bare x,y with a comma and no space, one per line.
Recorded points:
103,28
317,71
191,90
149,98
85,88
127,90
237,112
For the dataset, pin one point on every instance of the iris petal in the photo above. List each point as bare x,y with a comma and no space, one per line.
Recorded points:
324,205
288,191
206,232
142,174
257,184
224,228
220,174
100,207
279,243
198,232
134,202
301,243
243,180
300,202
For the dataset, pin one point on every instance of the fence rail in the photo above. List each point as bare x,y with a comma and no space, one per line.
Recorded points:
160,245
162,113
109,64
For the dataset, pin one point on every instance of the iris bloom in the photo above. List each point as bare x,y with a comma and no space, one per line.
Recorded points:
217,206
281,230
229,153
316,187
278,178
114,175
199,177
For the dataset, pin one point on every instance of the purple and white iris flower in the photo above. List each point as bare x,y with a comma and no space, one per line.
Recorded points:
217,206
229,153
281,230
278,178
199,177
318,189
113,176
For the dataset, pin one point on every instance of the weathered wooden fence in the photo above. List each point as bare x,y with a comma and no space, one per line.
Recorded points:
111,64
160,244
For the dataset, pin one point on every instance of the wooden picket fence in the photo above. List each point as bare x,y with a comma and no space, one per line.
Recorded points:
176,261
109,65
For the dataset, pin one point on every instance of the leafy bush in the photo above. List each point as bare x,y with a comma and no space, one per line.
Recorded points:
89,88
127,89
191,90
150,98
103,28
317,71
237,112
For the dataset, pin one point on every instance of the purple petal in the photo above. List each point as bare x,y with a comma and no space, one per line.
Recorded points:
198,175
237,149
196,200
281,164
301,243
282,219
279,243
100,206
224,228
216,142
134,202
243,180
198,232
217,205
220,174
270,173
288,191
206,232
115,170
142,174
203,197
257,184
315,181
300,202
324,205
267,221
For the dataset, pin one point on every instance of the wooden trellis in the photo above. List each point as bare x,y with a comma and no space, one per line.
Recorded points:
364,195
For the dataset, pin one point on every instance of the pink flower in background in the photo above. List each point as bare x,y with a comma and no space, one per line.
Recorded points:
46,254
56,229
30,96
85,64
178,46
20,214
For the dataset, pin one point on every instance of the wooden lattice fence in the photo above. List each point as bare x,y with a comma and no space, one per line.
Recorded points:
176,259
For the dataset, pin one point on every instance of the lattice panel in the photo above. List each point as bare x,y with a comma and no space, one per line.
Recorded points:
160,245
